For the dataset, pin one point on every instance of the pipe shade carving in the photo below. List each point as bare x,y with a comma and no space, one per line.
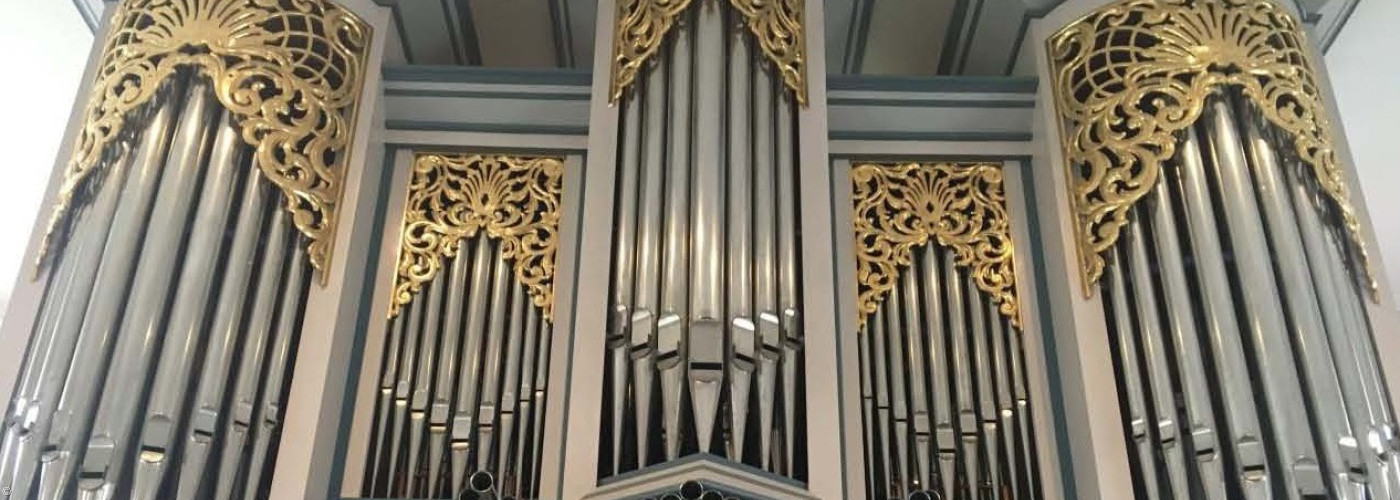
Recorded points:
1132,76
290,71
642,26
514,199
899,207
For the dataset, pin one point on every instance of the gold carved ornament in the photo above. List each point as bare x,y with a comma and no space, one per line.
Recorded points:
513,199
1132,76
962,207
290,71
642,26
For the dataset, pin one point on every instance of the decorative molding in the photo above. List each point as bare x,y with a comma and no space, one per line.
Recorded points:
642,26
962,207
777,24
290,71
514,199
1130,77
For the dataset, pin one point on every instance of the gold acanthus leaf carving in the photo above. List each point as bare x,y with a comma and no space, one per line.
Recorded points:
962,207
513,199
777,24
290,71
642,26
1132,76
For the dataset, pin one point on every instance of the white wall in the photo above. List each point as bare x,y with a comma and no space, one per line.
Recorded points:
44,45
1365,73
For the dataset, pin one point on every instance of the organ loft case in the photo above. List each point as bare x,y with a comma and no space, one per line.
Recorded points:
703,249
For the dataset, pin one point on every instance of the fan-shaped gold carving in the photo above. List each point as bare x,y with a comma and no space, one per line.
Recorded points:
1130,77
900,207
642,26
290,71
513,199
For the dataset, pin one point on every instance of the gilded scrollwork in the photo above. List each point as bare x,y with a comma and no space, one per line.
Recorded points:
962,207
777,24
290,71
512,199
642,26
1132,76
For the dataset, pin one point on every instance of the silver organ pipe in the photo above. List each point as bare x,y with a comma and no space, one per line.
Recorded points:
467,353
144,331
1235,230
706,203
944,402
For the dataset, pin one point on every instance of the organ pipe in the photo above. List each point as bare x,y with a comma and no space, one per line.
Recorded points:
469,336
1241,238
945,413
706,212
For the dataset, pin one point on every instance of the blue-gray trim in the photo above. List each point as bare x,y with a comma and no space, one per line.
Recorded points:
468,74
93,20
931,103
990,84
866,135
581,95
1339,25
1047,338
465,30
952,36
491,128
971,35
857,35
563,33
362,322
398,22
573,318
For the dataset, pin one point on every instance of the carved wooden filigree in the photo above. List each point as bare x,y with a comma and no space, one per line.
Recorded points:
1130,77
513,199
642,26
962,207
290,71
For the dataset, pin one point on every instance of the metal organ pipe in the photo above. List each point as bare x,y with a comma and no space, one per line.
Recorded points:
708,169
944,434
152,284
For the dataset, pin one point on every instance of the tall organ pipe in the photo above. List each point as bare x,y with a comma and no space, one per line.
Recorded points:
501,291
268,423
705,350
422,390
444,388
1223,332
185,332
742,334
464,420
918,393
789,294
1199,424
962,374
1138,424
671,326
894,327
623,270
59,328
945,434
648,275
1273,354
765,288
991,481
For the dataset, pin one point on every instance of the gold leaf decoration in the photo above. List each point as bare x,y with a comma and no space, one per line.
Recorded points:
290,71
641,27
513,199
900,207
777,24
1130,77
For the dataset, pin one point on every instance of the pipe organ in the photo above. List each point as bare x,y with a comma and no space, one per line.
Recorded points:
1217,224
464,379
943,387
705,292
1010,250
159,362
